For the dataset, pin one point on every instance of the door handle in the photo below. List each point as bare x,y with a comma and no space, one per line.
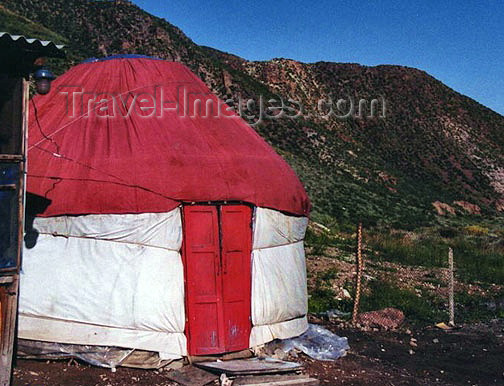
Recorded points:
8,187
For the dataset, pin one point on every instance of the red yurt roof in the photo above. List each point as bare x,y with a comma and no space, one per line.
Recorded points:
123,136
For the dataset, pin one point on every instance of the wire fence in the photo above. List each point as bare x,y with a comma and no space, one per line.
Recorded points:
419,278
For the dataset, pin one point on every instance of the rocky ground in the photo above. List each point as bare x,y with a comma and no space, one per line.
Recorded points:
471,355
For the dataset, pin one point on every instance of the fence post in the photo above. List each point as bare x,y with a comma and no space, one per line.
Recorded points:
451,287
359,263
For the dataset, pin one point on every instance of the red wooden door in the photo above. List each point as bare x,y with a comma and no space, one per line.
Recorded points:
217,247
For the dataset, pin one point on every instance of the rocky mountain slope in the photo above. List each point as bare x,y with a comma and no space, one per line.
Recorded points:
427,149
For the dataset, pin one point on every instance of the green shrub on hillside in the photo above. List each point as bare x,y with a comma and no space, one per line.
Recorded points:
317,241
476,230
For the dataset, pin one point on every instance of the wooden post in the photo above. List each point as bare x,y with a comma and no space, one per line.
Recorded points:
8,306
451,287
358,281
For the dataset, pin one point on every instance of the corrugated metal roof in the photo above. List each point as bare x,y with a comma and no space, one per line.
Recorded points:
42,47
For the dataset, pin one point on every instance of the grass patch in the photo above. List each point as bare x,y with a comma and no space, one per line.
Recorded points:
422,310
320,240
478,258
323,298
317,241
473,308
400,248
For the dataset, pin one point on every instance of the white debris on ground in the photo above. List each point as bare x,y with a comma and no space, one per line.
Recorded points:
317,342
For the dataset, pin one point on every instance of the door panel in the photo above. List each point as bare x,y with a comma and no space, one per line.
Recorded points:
202,266
236,239
205,336
217,253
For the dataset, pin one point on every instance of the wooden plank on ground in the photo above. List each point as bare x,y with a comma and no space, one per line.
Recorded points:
225,357
237,355
276,380
192,376
251,366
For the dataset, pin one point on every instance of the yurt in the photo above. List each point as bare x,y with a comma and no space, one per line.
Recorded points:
158,219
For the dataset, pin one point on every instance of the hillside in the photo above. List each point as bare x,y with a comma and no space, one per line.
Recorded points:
434,145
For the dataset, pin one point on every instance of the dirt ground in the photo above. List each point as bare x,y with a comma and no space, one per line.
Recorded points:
472,355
